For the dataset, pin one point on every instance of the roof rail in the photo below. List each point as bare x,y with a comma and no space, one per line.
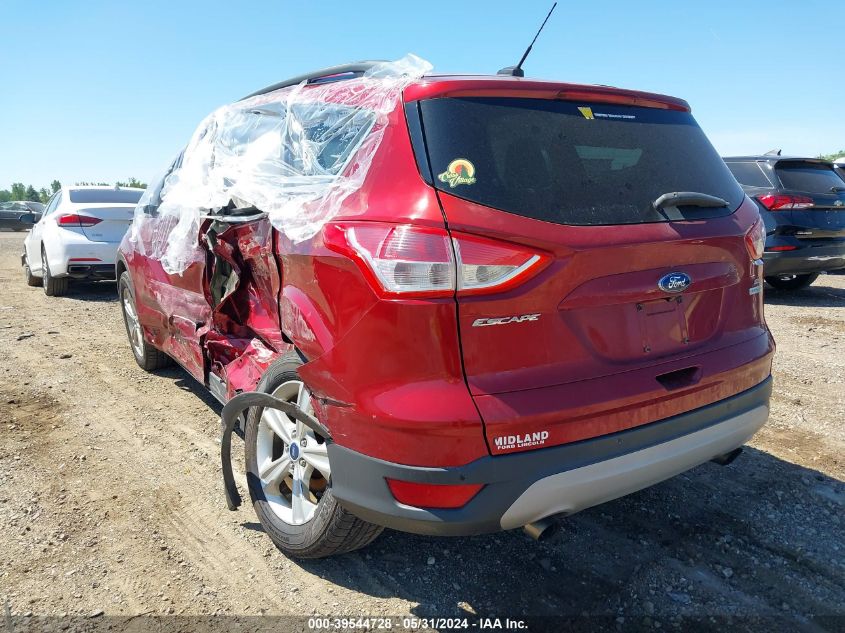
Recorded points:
326,74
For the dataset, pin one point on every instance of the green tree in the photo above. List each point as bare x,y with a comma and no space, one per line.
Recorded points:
833,156
32,194
5,195
132,182
44,194
18,191
55,186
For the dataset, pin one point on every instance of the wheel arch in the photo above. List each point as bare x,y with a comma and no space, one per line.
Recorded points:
120,266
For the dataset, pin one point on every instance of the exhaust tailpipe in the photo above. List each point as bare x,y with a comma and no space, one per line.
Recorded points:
540,530
727,458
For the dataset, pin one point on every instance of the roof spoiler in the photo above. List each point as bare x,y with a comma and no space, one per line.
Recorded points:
333,73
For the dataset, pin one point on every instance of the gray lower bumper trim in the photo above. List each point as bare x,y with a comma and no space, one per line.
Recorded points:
581,488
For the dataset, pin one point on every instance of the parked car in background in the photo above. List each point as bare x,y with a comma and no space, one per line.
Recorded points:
11,212
77,236
588,323
802,203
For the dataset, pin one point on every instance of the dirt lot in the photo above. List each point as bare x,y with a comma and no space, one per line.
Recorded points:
111,502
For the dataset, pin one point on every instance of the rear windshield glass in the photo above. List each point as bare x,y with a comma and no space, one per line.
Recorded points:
105,195
749,174
571,163
809,177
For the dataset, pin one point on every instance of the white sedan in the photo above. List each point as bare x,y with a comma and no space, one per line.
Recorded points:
77,236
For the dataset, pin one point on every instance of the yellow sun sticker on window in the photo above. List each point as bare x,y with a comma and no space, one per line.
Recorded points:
459,172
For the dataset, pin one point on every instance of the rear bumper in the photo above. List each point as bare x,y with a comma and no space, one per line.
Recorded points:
524,487
76,257
807,260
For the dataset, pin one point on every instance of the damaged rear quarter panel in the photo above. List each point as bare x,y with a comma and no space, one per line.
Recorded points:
245,335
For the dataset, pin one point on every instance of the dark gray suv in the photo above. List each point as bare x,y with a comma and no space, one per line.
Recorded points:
802,203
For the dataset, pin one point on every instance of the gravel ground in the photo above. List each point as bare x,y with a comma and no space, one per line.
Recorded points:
111,504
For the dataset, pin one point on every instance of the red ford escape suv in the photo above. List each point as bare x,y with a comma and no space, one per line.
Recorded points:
539,297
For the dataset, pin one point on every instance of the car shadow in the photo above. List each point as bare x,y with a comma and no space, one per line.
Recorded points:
253,525
817,295
757,538
93,291
184,381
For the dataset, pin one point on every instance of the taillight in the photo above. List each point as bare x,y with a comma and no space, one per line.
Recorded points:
432,495
76,220
399,259
487,265
755,240
776,249
775,202
404,260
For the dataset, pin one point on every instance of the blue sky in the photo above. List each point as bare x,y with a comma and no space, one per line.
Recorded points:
107,90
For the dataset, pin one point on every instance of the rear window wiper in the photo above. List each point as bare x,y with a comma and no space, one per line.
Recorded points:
837,189
688,199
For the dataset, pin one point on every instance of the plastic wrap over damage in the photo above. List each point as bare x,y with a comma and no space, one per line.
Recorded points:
295,154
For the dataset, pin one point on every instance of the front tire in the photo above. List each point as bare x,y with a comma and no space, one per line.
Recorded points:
53,286
791,282
148,357
291,487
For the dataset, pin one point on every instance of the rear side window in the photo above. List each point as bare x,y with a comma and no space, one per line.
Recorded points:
317,140
116,196
749,174
571,163
808,177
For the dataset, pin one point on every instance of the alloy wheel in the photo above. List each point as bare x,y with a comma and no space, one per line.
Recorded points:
133,325
293,463
45,272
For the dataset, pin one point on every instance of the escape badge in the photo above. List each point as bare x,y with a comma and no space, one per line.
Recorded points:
459,172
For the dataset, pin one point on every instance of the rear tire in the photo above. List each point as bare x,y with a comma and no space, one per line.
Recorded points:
53,286
148,357
31,280
329,529
791,282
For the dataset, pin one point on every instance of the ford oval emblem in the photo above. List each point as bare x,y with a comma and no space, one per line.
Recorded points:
674,282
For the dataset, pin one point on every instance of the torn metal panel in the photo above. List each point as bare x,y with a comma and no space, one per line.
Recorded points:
244,336
243,373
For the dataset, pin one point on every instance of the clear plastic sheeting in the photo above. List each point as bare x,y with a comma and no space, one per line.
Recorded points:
295,154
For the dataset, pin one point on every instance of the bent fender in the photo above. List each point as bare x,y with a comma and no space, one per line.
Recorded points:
229,417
